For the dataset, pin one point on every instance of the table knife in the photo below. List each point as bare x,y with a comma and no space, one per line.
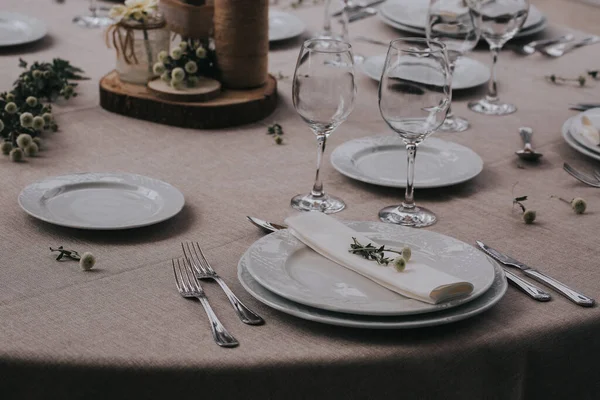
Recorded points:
573,295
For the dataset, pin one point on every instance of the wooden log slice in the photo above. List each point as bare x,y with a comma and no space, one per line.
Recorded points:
207,89
231,108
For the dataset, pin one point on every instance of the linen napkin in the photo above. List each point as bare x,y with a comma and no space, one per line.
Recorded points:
331,239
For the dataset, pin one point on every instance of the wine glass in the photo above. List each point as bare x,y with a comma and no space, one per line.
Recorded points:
450,22
414,97
499,21
93,20
323,92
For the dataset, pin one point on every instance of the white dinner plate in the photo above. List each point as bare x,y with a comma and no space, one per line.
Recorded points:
474,307
16,29
285,266
413,13
576,129
381,160
101,201
283,26
418,31
566,133
467,74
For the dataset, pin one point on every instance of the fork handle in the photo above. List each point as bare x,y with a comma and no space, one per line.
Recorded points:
573,295
246,315
220,334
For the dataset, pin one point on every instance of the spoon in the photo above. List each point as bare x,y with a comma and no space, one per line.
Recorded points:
527,153
560,49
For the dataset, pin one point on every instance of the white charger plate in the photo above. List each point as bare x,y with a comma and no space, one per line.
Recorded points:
421,31
381,160
467,74
288,268
576,128
413,13
16,29
284,26
566,134
101,201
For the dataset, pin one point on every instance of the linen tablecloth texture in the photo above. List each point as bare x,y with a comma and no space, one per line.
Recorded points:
122,331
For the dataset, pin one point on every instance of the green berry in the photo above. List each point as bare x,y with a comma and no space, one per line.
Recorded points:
399,264
31,150
578,205
529,216
23,140
278,139
16,155
10,108
6,147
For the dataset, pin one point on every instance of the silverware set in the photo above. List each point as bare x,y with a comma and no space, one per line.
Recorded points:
188,272
590,180
530,289
555,47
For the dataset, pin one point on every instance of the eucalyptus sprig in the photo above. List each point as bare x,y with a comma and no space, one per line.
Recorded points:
86,260
377,254
581,80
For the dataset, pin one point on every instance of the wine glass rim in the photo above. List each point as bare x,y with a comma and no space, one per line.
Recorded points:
341,46
441,46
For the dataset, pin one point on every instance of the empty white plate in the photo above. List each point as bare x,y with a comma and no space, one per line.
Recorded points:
467,74
285,266
18,29
101,201
381,160
283,26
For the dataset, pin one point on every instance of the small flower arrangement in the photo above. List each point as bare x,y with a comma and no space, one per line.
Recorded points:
186,63
138,10
529,216
373,253
581,80
86,260
277,131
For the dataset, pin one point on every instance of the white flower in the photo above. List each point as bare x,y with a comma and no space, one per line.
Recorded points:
118,12
176,53
47,117
529,216
579,205
183,45
37,74
193,81
163,56
87,261
10,108
1,125
177,75
406,253
26,119
200,52
10,97
31,101
177,85
16,155
31,150
6,147
166,77
38,123
159,68
191,67
399,264
38,141
23,140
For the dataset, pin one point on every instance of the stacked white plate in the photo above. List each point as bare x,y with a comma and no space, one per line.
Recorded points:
281,272
284,26
17,29
411,16
572,132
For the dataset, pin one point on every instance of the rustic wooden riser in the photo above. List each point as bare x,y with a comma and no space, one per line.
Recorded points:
231,108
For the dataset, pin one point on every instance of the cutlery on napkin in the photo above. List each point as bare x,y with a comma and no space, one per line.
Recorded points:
331,239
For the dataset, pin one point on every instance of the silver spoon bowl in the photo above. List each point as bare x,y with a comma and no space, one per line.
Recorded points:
527,153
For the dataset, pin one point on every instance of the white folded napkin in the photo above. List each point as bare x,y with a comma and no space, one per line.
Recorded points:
331,239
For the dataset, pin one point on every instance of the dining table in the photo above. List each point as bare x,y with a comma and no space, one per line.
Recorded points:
122,331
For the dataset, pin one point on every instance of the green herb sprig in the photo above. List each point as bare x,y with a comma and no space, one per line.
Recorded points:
528,215
277,131
376,254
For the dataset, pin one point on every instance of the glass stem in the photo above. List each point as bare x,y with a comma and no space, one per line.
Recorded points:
93,8
345,22
450,114
317,189
327,18
411,152
492,95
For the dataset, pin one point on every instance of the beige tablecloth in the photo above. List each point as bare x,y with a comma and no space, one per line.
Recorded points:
122,331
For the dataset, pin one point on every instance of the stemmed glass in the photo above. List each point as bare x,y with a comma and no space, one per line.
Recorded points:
414,97
450,22
499,21
323,92
93,20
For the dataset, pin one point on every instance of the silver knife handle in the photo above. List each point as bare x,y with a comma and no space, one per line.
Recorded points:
532,290
566,291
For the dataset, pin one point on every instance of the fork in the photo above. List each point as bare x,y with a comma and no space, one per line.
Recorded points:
581,177
203,270
188,286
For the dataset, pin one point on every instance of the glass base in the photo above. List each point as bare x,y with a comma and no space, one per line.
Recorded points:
484,106
326,204
88,21
454,124
417,217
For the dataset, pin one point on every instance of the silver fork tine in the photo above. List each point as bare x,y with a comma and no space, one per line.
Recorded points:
187,256
179,288
195,261
205,263
580,176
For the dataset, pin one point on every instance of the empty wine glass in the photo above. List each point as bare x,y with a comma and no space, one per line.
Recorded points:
414,97
323,92
499,21
93,20
450,22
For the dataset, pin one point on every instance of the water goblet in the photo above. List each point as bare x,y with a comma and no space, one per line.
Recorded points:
499,21
323,93
414,97
450,22
93,20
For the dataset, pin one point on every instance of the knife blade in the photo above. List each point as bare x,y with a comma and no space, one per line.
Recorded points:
571,294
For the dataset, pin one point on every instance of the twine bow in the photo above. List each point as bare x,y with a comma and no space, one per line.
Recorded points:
123,38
